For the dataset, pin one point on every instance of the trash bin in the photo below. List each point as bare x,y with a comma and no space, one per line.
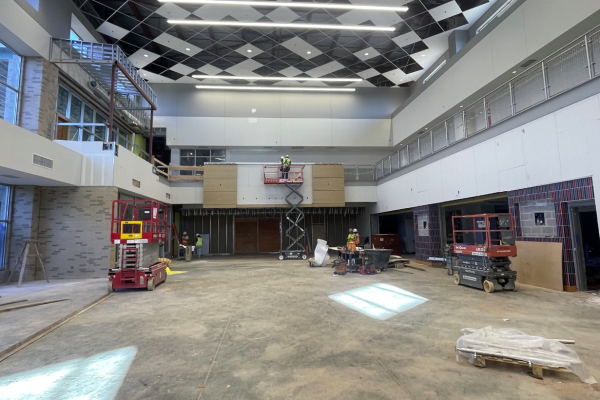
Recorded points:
188,253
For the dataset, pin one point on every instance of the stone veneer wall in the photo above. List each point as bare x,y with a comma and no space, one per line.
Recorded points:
40,91
72,225
558,195
427,241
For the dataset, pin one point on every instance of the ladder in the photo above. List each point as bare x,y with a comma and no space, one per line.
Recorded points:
295,233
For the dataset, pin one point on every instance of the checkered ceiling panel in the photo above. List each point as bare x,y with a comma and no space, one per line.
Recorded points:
169,53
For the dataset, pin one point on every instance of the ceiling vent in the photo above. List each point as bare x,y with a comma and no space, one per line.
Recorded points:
528,63
43,161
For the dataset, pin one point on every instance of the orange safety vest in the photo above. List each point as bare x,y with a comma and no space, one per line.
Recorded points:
356,239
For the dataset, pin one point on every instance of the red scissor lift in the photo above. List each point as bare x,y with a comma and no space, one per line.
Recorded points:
136,225
273,175
483,244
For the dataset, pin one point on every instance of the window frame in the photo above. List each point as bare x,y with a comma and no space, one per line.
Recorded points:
5,244
195,158
84,104
17,90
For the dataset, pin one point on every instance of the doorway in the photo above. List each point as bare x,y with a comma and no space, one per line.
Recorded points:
586,245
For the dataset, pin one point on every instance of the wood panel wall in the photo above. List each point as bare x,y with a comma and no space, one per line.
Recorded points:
220,186
328,185
539,264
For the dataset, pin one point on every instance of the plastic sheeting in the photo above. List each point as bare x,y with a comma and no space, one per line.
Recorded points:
515,344
321,255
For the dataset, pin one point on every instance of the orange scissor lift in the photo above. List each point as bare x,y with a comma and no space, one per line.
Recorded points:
135,225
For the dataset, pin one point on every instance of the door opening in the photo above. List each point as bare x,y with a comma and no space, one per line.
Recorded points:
586,243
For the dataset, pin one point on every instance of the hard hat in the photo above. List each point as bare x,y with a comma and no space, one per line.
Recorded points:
282,157
286,155
185,233
350,230
197,234
356,231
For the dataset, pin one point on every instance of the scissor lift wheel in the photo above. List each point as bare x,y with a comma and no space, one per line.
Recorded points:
488,286
457,278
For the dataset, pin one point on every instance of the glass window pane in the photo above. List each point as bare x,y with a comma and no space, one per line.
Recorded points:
63,101
10,67
8,104
100,130
3,233
88,116
76,105
188,161
203,153
4,197
188,153
218,153
201,160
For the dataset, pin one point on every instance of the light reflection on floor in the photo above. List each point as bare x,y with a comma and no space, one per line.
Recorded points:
98,377
379,301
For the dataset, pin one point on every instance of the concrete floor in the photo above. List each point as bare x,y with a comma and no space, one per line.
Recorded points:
259,328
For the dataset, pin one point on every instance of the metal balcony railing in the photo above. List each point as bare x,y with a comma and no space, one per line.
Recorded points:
567,68
359,173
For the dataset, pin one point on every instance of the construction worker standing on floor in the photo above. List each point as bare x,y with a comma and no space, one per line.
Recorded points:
286,166
198,245
350,244
356,237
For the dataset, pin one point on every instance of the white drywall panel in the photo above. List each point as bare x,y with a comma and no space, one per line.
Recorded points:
360,194
361,132
21,32
196,131
128,167
252,132
474,70
306,132
294,106
251,189
508,46
554,148
97,165
187,192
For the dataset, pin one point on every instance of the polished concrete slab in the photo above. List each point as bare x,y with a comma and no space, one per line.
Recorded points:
260,328
17,325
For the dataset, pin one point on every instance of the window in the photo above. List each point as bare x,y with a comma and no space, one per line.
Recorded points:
71,109
10,79
198,157
4,215
73,35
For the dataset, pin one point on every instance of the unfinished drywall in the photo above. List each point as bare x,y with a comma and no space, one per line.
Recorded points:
539,264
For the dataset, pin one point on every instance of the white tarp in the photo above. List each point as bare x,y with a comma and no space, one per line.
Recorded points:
515,344
321,255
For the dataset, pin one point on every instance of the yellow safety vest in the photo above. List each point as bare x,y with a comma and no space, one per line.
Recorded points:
351,237
286,162
199,241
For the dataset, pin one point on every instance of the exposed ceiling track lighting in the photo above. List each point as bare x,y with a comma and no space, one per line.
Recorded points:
270,78
289,4
278,25
278,89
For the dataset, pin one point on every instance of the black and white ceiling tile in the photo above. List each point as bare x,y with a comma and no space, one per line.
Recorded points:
172,53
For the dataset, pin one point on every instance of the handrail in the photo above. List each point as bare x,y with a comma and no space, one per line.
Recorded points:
563,70
177,177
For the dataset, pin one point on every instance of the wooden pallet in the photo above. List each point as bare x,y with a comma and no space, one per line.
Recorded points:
537,371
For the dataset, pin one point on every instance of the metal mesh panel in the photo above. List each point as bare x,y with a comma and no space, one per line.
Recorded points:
425,145
353,173
439,137
567,70
395,161
387,166
404,157
456,129
499,105
594,49
528,89
475,118
413,152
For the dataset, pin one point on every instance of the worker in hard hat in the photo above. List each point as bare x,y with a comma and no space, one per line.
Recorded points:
356,237
350,244
286,166
281,166
198,248
185,239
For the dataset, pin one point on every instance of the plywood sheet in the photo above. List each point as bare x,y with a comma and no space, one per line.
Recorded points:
246,235
329,198
328,171
328,184
269,239
220,171
220,185
220,199
539,264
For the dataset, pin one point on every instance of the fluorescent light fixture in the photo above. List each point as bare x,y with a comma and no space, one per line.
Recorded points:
249,50
309,52
289,4
145,55
495,15
276,89
278,25
187,49
270,78
435,71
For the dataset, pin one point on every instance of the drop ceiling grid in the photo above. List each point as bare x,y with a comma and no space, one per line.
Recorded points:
383,59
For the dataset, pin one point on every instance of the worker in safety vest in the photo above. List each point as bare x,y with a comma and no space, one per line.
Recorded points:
286,166
185,239
350,245
198,245
356,237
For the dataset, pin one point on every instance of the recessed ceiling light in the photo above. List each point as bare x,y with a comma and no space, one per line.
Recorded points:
366,54
288,4
278,25
401,80
145,74
271,88
187,49
145,55
272,78
423,55
461,106
249,50
514,72
309,52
